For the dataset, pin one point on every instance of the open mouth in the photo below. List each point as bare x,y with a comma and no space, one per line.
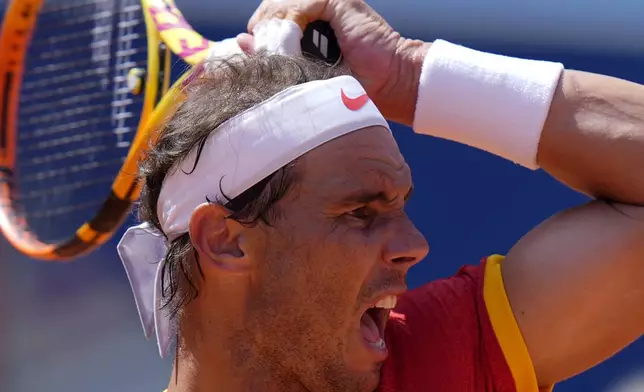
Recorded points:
374,321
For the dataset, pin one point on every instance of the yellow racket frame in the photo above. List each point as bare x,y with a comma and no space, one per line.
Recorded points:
176,32
20,19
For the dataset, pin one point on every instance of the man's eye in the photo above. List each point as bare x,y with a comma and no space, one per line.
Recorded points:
361,213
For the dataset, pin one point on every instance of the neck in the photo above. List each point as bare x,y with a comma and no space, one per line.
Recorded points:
206,372
219,354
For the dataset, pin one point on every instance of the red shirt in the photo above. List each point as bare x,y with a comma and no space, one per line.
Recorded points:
457,335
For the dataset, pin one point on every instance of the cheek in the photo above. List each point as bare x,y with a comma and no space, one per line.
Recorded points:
338,265
319,270
349,251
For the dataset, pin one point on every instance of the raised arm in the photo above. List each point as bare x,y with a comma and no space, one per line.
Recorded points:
575,282
580,273
593,138
585,129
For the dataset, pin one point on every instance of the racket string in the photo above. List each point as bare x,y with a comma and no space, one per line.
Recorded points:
122,96
77,116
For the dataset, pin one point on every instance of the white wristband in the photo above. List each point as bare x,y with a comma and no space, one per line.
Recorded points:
496,103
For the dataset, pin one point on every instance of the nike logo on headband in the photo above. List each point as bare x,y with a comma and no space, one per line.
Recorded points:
354,103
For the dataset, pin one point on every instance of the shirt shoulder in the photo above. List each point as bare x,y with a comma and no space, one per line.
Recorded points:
458,335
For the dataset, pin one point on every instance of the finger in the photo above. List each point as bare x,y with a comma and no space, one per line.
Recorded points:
246,42
259,15
300,12
254,19
297,16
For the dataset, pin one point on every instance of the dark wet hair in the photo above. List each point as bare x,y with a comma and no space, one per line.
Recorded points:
225,90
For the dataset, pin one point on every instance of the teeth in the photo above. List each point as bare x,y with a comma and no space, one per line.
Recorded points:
389,302
380,344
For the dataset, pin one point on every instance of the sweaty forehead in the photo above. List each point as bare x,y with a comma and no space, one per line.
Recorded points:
367,157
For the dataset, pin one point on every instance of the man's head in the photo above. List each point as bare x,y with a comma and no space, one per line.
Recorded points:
279,278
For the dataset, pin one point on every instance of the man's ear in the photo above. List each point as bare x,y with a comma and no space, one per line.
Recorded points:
218,241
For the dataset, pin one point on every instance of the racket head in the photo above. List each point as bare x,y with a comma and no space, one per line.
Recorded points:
69,121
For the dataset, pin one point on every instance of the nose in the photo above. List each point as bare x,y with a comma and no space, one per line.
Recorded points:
407,245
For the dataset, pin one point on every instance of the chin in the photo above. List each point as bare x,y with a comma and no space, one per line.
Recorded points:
373,380
369,382
365,380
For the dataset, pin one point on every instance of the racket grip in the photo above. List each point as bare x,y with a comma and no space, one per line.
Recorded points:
320,42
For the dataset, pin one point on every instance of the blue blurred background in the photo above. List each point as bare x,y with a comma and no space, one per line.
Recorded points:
74,328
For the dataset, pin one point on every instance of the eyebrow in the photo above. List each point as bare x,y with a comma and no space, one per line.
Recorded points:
365,197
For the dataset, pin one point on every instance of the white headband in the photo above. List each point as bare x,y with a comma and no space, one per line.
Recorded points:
237,155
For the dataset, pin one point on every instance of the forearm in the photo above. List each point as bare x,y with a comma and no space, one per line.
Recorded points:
586,130
593,138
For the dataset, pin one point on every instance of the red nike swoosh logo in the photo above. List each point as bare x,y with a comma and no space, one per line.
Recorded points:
354,103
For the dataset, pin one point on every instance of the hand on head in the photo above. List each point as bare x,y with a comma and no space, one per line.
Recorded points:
387,65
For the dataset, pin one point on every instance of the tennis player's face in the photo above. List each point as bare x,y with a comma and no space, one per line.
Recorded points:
342,245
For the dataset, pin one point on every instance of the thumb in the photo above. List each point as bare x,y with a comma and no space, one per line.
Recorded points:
246,42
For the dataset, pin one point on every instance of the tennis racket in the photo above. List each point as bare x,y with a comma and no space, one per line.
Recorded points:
318,39
79,79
